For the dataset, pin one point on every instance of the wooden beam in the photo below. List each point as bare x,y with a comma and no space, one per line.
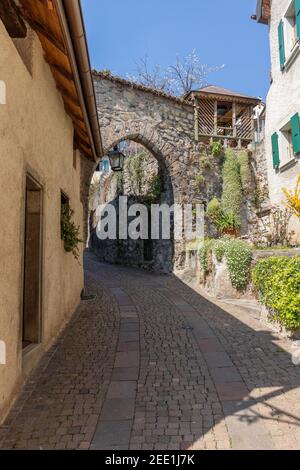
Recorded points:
73,113
80,140
59,69
196,118
68,95
216,117
234,119
12,19
79,130
87,152
44,31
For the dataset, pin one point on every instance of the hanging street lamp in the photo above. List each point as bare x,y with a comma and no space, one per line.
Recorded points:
116,159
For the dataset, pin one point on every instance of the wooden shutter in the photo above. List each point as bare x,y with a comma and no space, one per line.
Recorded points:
295,124
281,44
275,150
297,13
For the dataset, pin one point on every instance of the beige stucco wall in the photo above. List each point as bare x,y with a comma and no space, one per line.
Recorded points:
283,102
36,135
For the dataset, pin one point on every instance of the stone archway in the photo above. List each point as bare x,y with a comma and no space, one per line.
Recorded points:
163,124
151,254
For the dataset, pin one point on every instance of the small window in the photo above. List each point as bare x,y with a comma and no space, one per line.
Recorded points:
103,166
64,203
290,28
286,143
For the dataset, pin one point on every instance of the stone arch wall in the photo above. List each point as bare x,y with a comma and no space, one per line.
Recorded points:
164,125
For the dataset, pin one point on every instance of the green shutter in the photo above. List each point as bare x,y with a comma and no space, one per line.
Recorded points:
275,150
281,44
295,124
297,13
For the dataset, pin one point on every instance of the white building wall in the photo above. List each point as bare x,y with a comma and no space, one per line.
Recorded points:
283,102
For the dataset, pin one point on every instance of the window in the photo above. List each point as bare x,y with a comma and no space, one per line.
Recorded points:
64,203
290,30
103,166
32,267
286,143
289,34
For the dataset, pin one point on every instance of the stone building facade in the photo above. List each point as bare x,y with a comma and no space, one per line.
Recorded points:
164,126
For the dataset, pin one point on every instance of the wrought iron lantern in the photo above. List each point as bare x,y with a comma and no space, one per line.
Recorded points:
116,159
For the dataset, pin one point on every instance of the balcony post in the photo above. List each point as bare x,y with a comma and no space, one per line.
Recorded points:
216,118
196,119
234,119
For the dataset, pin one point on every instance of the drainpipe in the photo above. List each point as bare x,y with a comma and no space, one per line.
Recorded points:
70,15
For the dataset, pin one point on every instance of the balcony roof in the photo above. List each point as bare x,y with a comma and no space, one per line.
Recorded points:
215,92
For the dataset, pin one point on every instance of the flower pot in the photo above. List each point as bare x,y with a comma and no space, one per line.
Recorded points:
231,231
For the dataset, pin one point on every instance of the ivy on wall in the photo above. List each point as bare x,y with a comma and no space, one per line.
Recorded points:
134,169
70,232
232,185
245,173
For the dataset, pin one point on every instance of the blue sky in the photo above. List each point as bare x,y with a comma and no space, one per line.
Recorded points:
120,32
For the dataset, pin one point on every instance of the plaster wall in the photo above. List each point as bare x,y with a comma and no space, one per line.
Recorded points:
36,137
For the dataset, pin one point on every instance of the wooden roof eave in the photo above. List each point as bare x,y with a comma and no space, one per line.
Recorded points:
57,55
229,98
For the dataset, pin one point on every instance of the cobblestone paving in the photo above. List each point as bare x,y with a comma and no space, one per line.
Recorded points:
152,364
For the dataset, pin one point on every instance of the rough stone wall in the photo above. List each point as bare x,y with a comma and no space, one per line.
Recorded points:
165,127
135,187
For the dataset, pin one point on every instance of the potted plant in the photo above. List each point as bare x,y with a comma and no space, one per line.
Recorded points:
228,224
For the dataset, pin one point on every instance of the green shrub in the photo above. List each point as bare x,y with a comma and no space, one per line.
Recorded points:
232,185
245,173
213,207
224,222
277,281
214,211
216,149
69,231
199,180
134,169
219,250
238,256
204,254
155,188
228,223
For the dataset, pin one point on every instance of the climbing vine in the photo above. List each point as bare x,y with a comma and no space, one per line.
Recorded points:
155,188
232,185
245,173
134,169
70,232
216,149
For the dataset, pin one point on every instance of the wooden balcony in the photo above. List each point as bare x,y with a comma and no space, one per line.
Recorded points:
221,114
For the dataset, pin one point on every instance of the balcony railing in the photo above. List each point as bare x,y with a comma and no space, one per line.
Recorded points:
207,125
